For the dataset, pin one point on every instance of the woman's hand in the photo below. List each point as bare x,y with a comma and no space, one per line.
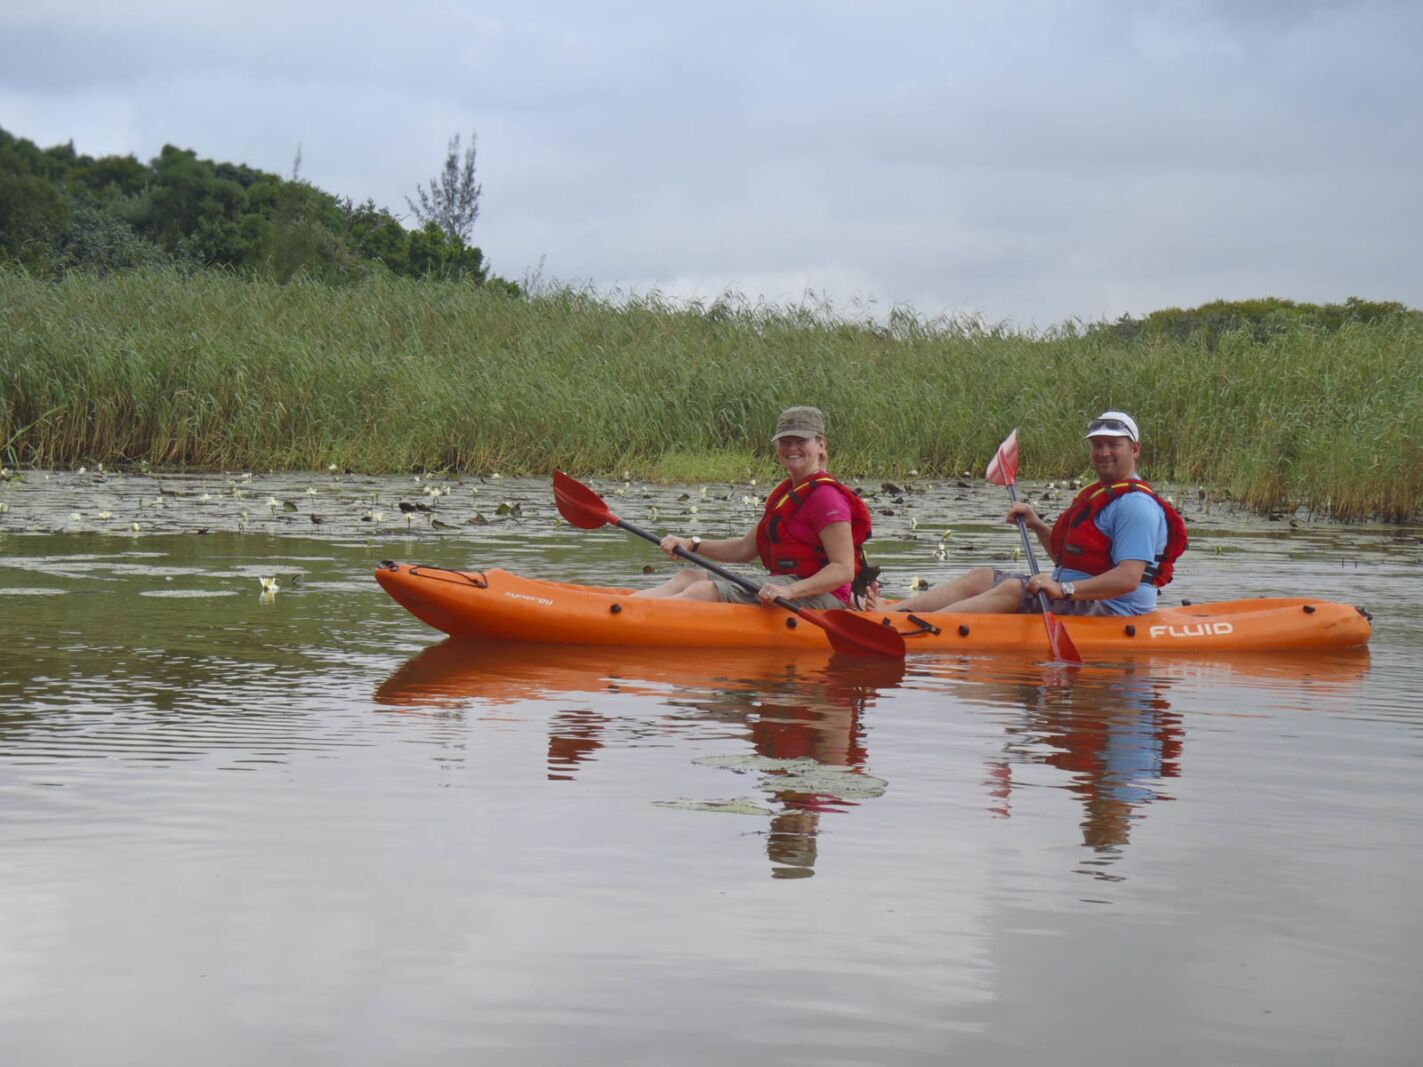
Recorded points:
768,593
672,542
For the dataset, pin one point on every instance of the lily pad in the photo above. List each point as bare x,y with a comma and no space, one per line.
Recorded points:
734,806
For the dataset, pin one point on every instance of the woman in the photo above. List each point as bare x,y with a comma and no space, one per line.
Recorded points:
809,536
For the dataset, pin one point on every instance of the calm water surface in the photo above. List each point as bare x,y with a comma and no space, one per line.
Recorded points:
302,828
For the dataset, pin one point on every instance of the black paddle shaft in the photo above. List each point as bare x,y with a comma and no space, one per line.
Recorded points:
704,563
1028,548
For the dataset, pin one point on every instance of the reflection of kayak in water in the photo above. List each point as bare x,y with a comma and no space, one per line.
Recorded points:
455,670
498,605
1284,670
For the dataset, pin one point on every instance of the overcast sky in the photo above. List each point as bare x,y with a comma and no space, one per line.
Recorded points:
1026,161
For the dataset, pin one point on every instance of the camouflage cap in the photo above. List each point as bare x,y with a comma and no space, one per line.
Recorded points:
799,422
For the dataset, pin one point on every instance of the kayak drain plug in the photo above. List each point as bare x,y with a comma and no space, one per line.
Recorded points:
790,622
616,608
963,630
1309,609
1131,630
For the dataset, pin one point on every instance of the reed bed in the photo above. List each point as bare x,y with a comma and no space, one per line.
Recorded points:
224,372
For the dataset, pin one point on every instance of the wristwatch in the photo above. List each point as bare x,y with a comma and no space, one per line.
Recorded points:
696,543
1068,588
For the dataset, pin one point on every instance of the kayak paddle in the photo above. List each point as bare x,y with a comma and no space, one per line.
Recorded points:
849,634
1002,471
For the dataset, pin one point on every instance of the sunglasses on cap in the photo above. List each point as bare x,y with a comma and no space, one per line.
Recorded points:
1111,425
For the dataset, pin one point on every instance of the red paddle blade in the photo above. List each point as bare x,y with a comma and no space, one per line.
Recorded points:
1003,470
580,505
852,635
1062,647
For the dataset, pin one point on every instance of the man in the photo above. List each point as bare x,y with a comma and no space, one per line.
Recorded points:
1114,546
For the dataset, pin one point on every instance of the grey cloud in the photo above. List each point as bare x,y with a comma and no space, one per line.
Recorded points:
1034,160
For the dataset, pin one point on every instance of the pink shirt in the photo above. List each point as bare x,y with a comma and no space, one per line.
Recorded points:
825,505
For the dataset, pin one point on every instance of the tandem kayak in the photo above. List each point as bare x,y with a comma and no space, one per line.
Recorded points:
497,605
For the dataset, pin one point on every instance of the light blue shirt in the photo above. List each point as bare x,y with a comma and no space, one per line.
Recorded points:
1137,526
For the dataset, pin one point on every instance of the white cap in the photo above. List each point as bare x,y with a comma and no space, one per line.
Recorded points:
1113,424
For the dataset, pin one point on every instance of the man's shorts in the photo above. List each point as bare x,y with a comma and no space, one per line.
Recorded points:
1031,603
731,593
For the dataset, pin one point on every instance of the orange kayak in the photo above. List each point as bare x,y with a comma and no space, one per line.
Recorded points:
497,605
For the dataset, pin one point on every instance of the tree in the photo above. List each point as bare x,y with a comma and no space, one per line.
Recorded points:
452,200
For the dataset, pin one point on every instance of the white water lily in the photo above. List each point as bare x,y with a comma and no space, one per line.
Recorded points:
704,492
74,516
375,516
311,490
273,503
331,467
1017,553
941,552
105,516
82,470
496,477
693,509
204,498
948,532
269,585
913,523
135,527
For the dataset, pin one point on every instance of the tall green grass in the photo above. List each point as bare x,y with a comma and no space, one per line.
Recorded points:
219,371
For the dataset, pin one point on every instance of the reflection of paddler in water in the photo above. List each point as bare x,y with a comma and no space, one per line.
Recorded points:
800,711
810,747
573,736
1111,729
1114,731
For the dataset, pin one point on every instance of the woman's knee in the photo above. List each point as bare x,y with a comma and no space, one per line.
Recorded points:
701,590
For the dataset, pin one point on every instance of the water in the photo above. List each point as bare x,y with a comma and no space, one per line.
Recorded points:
301,828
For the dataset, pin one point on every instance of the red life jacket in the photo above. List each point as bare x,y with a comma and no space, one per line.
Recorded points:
1079,544
783,554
